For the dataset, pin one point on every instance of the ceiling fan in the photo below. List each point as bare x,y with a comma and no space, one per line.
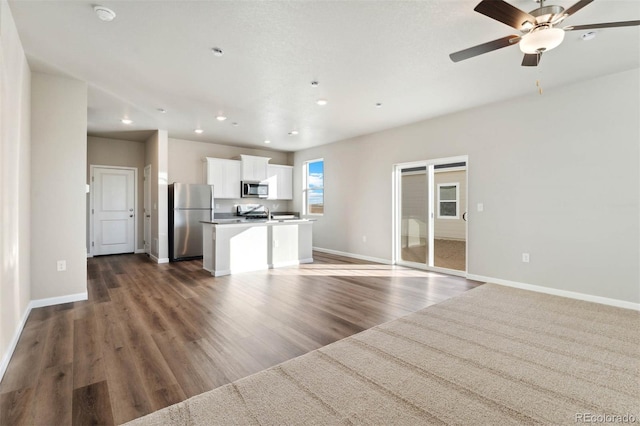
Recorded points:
538,29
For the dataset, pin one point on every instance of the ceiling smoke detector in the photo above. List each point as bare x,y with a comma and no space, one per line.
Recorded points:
104,13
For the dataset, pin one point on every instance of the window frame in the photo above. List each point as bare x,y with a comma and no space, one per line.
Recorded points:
457,201
306,189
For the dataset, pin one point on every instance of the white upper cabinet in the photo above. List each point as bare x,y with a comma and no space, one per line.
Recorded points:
280,182
254,168
224,175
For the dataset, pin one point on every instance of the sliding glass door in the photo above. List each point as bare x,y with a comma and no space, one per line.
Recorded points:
430,214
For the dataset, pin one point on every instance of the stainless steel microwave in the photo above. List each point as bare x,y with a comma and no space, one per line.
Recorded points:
254,189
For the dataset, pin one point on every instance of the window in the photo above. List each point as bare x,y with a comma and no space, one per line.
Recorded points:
313,187
448,205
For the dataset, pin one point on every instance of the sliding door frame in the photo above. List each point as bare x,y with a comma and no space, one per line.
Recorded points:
396,214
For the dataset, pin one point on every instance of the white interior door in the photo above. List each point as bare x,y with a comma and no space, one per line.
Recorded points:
113,210
147,209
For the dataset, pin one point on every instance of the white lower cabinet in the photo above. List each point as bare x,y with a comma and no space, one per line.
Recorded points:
224,175
242,247
280,182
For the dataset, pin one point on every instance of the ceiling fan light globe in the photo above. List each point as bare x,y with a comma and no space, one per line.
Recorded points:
541,40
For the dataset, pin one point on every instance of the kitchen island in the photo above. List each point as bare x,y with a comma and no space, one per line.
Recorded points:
240,245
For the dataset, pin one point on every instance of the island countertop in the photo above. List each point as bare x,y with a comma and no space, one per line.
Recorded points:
245,222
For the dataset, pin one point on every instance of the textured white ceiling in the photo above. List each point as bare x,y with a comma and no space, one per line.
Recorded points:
157,54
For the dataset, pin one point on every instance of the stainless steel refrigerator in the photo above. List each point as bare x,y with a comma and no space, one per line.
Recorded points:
188,205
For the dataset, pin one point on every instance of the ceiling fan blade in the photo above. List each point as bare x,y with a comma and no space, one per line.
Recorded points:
484,48
531,59
504,12
602,25
576,7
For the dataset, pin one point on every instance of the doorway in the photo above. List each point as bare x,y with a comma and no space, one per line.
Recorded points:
430,216
113,210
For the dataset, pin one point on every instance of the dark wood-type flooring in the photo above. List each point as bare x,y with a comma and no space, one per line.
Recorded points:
152,335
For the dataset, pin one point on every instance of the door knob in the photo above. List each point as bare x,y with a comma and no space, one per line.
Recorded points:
130,215
130,210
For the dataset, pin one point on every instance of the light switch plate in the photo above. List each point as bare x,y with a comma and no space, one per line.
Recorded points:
480,207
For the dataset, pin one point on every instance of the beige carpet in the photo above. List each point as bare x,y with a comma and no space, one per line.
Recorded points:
492,356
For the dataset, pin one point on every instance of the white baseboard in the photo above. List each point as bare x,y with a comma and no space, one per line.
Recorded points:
159,260
556,292
89,255
38,303
353,255
139,251
14,342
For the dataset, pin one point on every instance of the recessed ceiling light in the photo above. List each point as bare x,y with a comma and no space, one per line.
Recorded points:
314,84
267,141
217,51
198,131
293,133
321,102
221,117
104,13
378,105
162,110
126,121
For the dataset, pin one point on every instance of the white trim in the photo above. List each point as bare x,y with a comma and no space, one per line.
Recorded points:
139,251
14,342
159,260
353,255
221,273
557,292
89,255
50,301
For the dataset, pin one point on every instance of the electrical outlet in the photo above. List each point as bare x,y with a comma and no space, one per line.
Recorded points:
62,265
480,207
525,257
217,206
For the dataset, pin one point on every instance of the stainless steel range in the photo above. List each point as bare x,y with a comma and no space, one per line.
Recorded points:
252,211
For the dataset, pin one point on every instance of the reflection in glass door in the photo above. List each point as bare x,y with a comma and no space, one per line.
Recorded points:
430,214
449,222
414,214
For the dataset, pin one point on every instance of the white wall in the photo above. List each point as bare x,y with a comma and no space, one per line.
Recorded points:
58,189
156,154
116,152
558,175
15,201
